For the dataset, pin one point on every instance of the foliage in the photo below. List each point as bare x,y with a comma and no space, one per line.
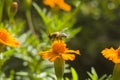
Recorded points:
74,75
90,26
28,64
93,76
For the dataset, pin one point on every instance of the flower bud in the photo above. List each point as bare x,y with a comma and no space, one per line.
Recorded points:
27,4
13,9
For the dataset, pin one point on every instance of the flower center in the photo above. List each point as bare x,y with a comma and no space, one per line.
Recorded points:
58,47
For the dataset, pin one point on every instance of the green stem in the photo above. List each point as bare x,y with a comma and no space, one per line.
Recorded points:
1,63
116,72
59,78
1,9
59,68
29,19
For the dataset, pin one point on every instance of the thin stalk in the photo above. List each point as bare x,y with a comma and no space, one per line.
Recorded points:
1,9
59,79
30,23
59,68
116,72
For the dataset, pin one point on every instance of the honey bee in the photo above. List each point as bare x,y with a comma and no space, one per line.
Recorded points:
57,36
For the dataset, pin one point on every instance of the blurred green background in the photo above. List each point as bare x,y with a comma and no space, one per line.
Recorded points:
98,23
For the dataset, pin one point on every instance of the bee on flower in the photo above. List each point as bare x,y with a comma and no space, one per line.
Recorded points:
59,53
59,50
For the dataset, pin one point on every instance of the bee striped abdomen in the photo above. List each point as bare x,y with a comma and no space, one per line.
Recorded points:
57,36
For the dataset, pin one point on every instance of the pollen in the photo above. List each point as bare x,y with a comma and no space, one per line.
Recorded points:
58,47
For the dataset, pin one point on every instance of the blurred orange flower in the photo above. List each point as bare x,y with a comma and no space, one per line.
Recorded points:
112,54
57,3
59,50
7,39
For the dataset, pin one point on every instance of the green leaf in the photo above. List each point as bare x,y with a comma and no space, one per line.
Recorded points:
67,78
41,13
22,73
103,77
92,75
73,32
74,74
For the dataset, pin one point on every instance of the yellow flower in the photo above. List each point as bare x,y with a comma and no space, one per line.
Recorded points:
57,3
7,39
59,50
112,54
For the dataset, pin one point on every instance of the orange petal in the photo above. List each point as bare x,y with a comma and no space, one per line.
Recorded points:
68,56
7,39
50,3
72,51
53,58
45,54
49,55
111,54
65,7
62,5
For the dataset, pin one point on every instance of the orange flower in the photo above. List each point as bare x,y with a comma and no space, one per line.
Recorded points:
59,50
7,39
59,3
112,54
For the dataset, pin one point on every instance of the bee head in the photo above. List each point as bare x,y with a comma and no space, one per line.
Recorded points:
52,35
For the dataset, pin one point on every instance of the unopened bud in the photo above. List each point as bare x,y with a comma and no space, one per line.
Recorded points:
14,7
27,4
